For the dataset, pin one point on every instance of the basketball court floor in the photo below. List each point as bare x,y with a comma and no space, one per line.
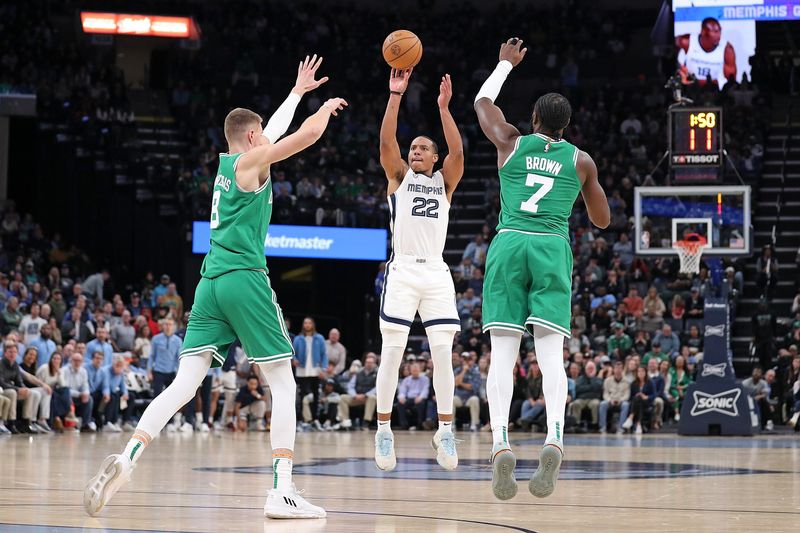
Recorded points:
210,482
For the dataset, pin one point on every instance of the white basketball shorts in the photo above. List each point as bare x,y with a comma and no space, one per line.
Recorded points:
414,284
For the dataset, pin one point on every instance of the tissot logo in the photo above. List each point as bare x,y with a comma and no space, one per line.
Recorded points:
714,370
723,403
715,331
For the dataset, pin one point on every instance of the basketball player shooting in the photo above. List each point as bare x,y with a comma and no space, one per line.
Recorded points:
529,265
706,55
417,278
234,298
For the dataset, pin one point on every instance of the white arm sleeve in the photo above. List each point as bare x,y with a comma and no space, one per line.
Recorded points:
491,87
281,118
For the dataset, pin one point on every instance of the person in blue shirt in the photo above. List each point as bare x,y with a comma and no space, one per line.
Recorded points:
93,368
412,395
164,355
44,345
468,381
101,344
111,391
159,291
310,361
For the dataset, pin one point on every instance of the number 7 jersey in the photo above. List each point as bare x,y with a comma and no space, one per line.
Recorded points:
538,186
420,213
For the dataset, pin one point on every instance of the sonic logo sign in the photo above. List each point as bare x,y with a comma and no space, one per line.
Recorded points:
714,370
723,403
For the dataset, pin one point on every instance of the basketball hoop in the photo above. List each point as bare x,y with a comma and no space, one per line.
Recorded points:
689,251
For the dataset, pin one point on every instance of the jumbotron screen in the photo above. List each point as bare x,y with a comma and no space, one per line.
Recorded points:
715,39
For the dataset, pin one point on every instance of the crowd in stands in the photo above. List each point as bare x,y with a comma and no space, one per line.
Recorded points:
78,351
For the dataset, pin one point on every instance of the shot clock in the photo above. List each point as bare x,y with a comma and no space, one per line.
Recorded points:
695,144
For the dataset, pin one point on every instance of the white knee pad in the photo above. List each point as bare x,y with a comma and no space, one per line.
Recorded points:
441,337
395,337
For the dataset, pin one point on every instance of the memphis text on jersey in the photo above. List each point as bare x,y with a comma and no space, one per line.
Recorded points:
424,189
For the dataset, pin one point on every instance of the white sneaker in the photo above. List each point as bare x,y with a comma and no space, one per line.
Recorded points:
186,428
628,424
347,424
91,425
261,425
770,425
290,504
444,442
128,427
638,430
112,428
327,425
114,472
794,419
473,428
504,482
316,425
384,451
171,428
543,481
203,428
677,417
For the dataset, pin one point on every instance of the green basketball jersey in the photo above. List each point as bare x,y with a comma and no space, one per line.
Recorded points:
239,223
538,186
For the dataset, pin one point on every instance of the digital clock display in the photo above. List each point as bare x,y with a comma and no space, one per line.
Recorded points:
696,136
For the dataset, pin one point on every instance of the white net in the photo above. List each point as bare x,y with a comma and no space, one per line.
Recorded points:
690,253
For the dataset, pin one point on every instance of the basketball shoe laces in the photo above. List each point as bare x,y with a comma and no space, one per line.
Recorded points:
384,444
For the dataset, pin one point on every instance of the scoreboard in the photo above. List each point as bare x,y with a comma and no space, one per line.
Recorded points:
695,144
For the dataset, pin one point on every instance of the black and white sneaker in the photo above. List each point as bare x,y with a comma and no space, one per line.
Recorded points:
290,504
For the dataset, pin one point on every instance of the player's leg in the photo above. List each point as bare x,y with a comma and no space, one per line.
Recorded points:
251,307
439,315
505,308
550,307
399,302
116,469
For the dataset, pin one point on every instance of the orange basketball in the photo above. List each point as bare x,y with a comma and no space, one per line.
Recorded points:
402,49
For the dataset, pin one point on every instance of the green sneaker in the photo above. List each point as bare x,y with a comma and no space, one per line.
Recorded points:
543,481
504,484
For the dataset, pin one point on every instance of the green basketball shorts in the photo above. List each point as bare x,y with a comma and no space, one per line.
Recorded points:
528,282
238,304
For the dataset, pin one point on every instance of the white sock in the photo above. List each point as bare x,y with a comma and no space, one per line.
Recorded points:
191,372
385,425
281,473
500,381
394,343
445,426
550,355
135,447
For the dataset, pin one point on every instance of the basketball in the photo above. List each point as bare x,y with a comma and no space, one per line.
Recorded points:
402,49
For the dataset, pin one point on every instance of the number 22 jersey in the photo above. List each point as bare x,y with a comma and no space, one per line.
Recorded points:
420,213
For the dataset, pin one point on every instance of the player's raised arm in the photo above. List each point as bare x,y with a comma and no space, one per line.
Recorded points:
453,166
252,163
502,134
282,117
391,159
729,68
592,192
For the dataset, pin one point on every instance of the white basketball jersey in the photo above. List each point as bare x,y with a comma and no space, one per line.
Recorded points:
704,64
420,213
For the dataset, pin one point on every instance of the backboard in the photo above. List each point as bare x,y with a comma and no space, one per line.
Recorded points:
664,215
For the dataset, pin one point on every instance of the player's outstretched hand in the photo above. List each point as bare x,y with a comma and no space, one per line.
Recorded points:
512,51
398,80
306,72
334,105
445,92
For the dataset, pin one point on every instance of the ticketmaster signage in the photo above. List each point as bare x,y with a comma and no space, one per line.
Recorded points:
312,242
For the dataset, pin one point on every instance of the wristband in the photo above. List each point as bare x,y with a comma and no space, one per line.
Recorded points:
395,92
